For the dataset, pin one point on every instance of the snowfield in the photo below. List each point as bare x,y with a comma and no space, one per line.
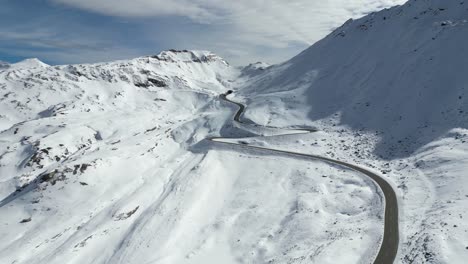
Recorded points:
115,171
113,162
386,91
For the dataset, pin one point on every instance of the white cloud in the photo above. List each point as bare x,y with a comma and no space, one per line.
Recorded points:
242,31
196,10
272,23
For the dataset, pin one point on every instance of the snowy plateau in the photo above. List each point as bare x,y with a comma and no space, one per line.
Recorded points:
181,158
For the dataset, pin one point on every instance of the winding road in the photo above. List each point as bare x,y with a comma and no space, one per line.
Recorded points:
389,246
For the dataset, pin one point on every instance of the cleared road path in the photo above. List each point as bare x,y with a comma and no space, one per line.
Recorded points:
389,247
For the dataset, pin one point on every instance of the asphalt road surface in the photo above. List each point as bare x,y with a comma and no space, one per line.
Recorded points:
389,247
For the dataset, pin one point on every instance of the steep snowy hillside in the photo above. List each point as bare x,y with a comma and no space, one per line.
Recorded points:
110,163
142,161
388,90
394,71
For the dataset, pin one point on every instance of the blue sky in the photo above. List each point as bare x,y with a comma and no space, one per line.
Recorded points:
242,31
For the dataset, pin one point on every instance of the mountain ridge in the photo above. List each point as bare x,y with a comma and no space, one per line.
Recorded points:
375,60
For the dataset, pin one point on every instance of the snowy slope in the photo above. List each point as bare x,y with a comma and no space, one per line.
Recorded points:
44,90
390,91
393,71
108,163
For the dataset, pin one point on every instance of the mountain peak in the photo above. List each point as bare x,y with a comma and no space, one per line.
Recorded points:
4,64
30,63
188,56
254,68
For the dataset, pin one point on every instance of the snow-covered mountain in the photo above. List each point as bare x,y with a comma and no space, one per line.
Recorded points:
110,162
254,68
4,64
112,122
394,83
33,89
395,71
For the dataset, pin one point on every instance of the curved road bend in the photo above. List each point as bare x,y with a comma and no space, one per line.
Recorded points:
389,247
